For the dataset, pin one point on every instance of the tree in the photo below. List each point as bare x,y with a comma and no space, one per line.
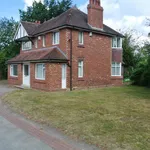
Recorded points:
44,11
141,74
130,54
8,48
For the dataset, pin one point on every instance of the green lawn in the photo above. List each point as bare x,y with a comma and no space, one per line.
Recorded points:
116,118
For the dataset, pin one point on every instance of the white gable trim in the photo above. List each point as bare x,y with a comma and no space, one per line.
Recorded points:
21,32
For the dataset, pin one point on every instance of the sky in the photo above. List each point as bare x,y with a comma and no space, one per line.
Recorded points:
118,14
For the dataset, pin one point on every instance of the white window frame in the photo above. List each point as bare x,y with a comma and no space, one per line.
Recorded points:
115,39
120,65
56,38
29,48
36,43
43,68
12,71
81,37
80,69
44,40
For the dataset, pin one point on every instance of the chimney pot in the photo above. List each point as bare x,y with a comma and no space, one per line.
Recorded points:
95,14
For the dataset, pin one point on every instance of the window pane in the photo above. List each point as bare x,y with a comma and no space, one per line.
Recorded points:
14,70
113,71
26,45
43,41
118,42
56,38
80,37
114,42
80,69
26,70
39,70
118,71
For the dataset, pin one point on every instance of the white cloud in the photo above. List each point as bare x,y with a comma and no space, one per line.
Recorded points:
125,14
30,2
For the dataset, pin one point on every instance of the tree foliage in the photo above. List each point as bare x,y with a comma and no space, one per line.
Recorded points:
130,54
141,74
44,11
8,48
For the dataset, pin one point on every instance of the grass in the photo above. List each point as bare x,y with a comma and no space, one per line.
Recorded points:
112,118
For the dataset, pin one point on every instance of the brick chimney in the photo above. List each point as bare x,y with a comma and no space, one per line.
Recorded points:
95,14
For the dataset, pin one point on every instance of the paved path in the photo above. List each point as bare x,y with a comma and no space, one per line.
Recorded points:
16,133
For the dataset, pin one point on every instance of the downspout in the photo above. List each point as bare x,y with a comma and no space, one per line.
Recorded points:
71,88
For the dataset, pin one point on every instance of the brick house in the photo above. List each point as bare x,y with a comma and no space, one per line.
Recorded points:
73,50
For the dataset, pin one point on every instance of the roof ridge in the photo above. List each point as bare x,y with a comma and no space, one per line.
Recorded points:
29,22
56,17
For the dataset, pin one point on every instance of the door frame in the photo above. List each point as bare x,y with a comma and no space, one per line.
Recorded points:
23,74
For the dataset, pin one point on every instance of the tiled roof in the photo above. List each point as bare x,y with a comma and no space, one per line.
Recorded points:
45,54
30,27
72,18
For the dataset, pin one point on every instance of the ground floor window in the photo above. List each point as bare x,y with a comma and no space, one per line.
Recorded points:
14,70
40,71
116,69
80,69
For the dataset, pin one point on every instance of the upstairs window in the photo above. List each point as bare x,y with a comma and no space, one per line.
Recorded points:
80,69
26,45
55,38
116,69
36,43
116,42
81,39
44,41
14,70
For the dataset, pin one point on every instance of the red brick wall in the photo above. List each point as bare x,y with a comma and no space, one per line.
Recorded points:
96,53
15,80
52,77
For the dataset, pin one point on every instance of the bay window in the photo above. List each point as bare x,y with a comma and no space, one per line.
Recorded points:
116,69
40,71
14,70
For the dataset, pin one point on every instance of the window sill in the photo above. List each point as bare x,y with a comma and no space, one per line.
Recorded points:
40,81
55,44
81,46
117,48
80,79
14,76
117,77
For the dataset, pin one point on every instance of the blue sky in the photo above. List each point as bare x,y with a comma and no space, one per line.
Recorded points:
118,14
13,7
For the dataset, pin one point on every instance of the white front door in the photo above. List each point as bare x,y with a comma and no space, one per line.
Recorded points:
26,75
64,76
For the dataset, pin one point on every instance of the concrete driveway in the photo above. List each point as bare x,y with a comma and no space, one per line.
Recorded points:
5,89
14,138
17,133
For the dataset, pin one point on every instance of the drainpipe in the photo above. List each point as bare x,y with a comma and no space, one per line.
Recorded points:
71,88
